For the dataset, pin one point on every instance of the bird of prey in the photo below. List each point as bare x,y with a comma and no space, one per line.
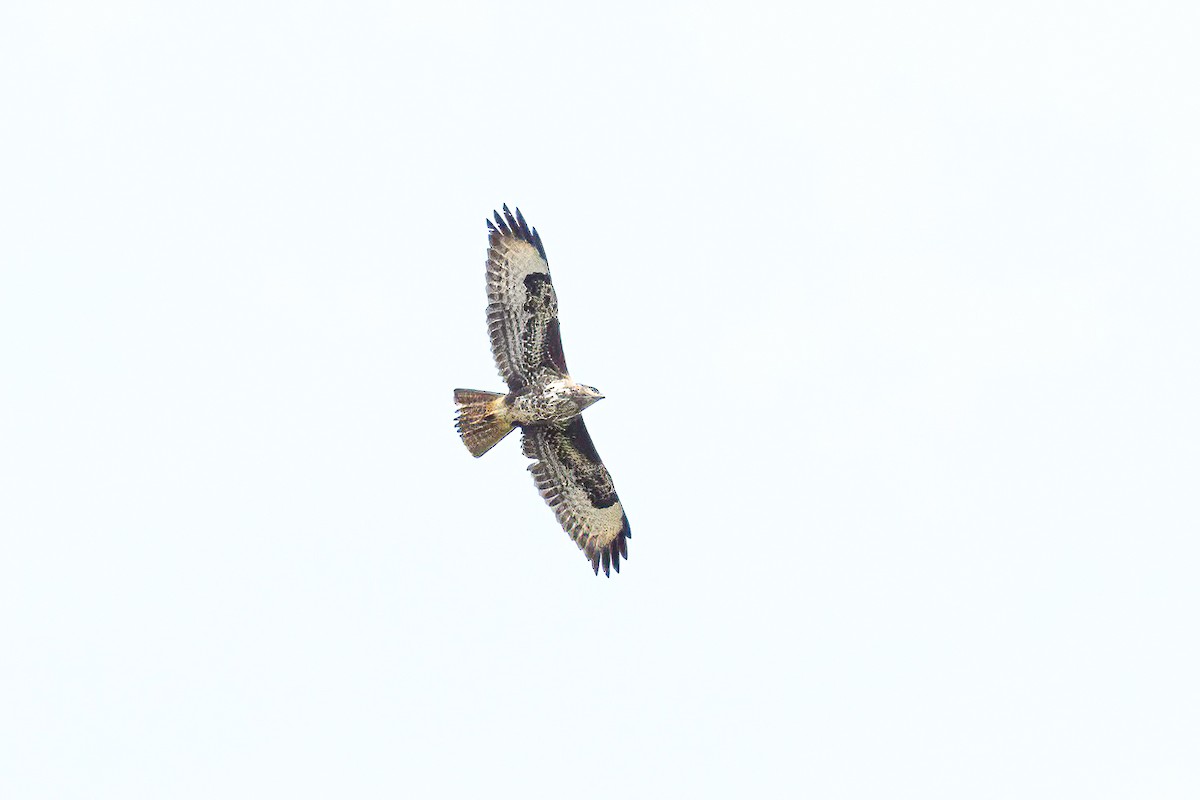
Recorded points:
542,399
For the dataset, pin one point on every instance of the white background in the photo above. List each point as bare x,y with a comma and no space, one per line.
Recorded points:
894,306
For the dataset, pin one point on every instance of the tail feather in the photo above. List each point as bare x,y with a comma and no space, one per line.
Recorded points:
481,420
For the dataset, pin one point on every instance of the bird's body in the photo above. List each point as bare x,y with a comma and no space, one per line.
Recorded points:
553,400
543,400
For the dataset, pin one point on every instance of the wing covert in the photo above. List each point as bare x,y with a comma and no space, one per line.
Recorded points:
522,308
574,482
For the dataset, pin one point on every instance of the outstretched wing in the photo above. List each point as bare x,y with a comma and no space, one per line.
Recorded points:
573,480
522,308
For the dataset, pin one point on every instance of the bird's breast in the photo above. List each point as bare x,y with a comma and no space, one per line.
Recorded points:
543,404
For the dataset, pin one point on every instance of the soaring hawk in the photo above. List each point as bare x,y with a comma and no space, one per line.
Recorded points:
542,400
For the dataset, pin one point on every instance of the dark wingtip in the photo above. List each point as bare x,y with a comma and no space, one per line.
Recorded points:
620,548
512,223
501,224
516,226
537,242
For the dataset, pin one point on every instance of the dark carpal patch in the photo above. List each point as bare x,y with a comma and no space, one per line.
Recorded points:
537,289
599,491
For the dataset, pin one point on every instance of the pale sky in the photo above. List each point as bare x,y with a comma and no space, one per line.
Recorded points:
895,310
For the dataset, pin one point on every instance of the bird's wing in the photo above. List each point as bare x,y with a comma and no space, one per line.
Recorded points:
573,480
522,308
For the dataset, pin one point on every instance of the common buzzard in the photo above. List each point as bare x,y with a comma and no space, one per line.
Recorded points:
542,399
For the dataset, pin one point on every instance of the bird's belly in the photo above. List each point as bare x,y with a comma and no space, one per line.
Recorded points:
541,408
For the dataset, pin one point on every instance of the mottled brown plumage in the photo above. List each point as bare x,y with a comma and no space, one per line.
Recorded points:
542,400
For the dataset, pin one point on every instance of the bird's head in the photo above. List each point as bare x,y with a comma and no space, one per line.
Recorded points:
586,395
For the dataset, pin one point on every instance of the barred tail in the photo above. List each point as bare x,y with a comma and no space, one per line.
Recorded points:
481,420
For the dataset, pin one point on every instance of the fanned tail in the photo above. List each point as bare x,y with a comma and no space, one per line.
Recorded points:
481,420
